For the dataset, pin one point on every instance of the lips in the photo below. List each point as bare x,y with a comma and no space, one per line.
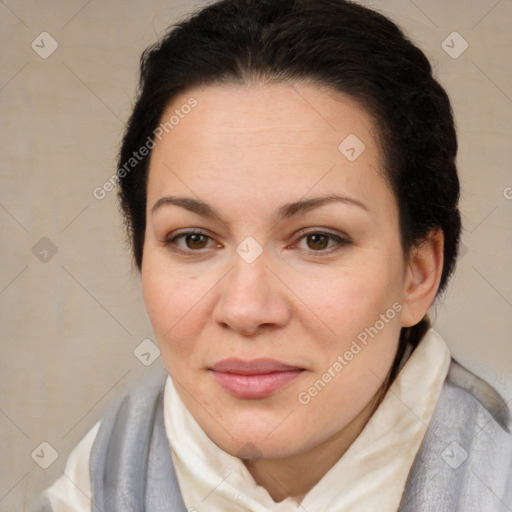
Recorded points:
253,367
257,378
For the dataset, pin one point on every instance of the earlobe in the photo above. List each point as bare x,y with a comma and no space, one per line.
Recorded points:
423,275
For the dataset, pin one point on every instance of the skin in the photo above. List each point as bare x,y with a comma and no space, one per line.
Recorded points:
246,150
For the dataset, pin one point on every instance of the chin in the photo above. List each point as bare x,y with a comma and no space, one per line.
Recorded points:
263,438
253,448
249,434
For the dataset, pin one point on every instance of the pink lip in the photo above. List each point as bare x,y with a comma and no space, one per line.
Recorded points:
253,379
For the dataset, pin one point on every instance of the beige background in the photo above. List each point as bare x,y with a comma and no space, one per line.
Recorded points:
70,325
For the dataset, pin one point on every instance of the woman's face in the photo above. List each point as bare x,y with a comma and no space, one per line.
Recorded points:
275,268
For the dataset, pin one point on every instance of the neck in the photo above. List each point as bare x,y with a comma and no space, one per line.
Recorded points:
296,475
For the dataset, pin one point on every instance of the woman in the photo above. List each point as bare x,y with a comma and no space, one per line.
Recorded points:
289,185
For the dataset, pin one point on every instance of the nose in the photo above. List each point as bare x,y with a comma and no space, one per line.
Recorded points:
252,298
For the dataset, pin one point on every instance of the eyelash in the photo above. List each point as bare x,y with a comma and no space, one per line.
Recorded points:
341,242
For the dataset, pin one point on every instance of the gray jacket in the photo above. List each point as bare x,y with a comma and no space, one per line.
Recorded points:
464,463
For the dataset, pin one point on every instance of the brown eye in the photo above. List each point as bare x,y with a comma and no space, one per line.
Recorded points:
188,241
317,241
195,241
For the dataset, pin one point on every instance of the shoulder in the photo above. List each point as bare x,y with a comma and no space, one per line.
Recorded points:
123,452
139,398
472,414
465,460
72,491
131,410
129,418
464,388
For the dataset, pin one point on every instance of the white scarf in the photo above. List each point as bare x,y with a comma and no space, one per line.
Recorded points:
371,474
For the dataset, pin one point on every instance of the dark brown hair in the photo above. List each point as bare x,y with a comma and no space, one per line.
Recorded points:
337,43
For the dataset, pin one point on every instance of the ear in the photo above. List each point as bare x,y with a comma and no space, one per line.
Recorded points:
423,275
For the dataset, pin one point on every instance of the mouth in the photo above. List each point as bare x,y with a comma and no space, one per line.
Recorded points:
257,378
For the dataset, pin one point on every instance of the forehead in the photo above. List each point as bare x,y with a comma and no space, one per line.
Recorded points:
262,137
270,113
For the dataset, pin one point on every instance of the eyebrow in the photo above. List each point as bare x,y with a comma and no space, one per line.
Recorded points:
286,211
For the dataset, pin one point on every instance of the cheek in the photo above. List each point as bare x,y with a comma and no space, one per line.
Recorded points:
351,300
351,365
361,309
174,304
